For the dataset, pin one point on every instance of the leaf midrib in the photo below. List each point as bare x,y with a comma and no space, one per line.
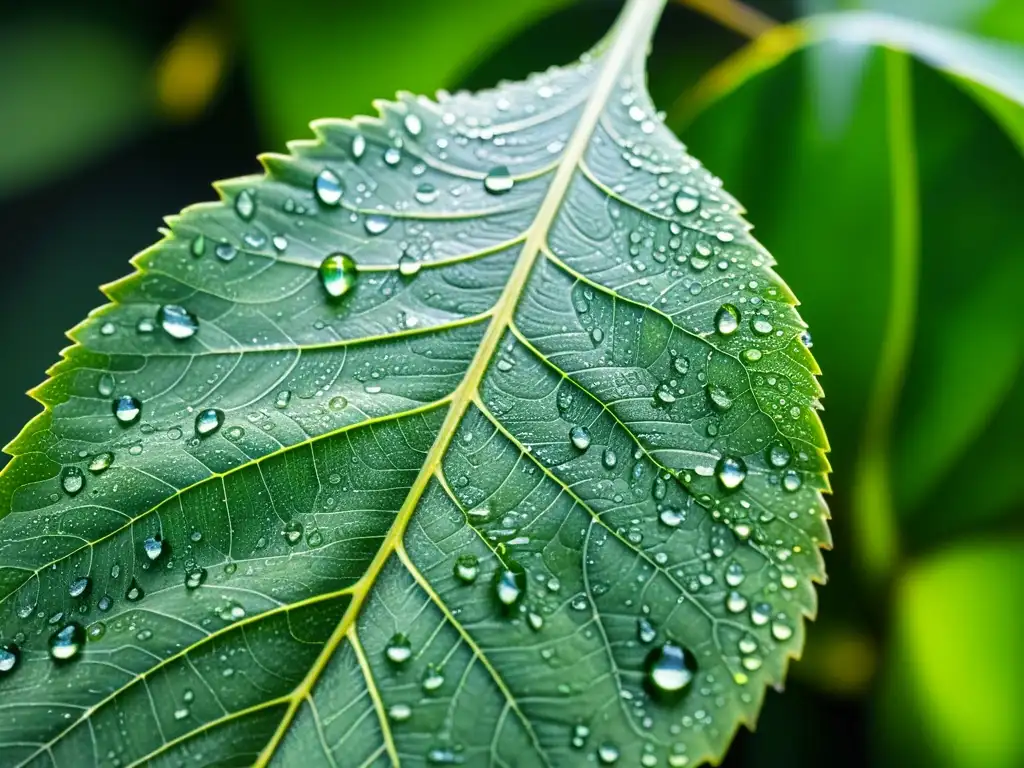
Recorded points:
632,32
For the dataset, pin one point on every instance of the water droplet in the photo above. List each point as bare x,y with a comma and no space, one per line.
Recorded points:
735,602
443,756
144,326
734,575
153,546
752,355
338,274
105,603
283,398
108,329
338,403
195,578
671,517
127,409
669,670
8,658
358,146
727,320
225,251
105,385
328,187
791,481
645,631
432,678
760,326
177,322
392,156
79,586
426,193
280,243
686,203
408,265
292,532
466,568
245,204
66,644
781,631
778,455
208,421
608,753
580,437
135,592
510,584
398,649
198,246
760,614
400,712
805,339
413,124
498,180
377,224
609,459
731,472
72,479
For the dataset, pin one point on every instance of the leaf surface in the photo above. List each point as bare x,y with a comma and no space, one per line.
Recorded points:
541,484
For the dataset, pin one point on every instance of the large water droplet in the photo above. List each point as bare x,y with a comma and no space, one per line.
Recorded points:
292,532
153,546
177,321
67,643
510,584
498,180
727,319
245,204
338,274
686,203
127,409
398,649
731,472
72,479
328,187
433,678
208,421
79,586
580,437
8,658
669,669
413,124
466,568
671,517
426,193
608,753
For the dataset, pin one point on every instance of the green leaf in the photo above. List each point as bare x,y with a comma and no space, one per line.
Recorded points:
951,695
478,432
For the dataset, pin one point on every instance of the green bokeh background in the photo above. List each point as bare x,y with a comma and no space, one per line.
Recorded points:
115,113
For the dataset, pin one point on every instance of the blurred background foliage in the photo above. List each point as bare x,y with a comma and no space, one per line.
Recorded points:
889,187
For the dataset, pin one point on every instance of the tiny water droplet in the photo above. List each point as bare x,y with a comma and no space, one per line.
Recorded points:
686,203
72,479
79,586
377,224
208,421
466,568
177,322
498,180
609,459
408,265
338,274
105,385
426,193
328,187
731,472
510,584
645,631
727,320
153,546
245,204
67,643
8,658
580,437
791,481
432,678
669,670
127,409
292,532
398,649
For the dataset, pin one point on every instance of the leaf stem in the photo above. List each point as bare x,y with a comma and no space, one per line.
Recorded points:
734,15
874,514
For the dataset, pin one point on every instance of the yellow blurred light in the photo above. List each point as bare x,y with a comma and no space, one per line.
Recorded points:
190,71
